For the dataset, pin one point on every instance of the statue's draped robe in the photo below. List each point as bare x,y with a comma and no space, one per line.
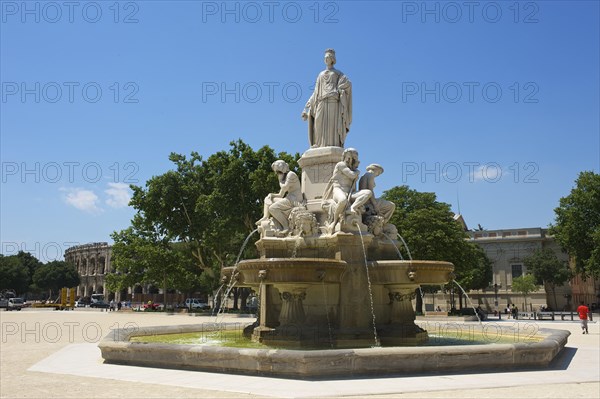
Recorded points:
330,110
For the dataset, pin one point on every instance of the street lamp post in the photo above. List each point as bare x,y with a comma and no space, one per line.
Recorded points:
496,295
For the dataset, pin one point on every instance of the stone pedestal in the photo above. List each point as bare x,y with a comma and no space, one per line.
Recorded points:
402,311
317,168
402,329
292,312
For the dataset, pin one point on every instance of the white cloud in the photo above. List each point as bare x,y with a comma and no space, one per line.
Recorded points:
119,195
84,200
490,173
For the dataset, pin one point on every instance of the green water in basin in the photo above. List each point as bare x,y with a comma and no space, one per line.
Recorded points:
235,339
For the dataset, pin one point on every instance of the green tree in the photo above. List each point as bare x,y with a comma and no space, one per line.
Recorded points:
548,270
30,262
13,275
55,275
431,233
577,226
142,257
191,221
524,285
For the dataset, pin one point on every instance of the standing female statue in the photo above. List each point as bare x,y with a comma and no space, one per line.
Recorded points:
329,109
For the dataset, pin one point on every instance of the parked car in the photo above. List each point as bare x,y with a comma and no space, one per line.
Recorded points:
99,304
15,304
195,303
80,304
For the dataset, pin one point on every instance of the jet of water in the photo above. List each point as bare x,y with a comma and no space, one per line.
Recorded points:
297,243
234,275
405,246
327,313
469,299
377,344
395,246
216,299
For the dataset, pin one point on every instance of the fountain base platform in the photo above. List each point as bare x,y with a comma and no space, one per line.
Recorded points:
116,348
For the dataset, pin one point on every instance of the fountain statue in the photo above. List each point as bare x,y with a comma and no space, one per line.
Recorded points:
330,275
329,268
329,109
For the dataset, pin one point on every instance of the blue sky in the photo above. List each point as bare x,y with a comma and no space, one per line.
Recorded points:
491,104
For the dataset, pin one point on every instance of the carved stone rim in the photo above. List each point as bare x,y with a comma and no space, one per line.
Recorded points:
423,265
296,263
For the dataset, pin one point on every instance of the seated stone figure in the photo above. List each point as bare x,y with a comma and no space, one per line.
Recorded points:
379,206
278,206
341,193
378,211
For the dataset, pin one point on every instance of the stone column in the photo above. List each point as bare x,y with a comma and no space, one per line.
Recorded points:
292,311
402,311
262,295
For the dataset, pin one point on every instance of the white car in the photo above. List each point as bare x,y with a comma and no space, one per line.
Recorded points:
15,304
195,303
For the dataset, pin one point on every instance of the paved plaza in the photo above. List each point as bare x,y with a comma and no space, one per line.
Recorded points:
51,354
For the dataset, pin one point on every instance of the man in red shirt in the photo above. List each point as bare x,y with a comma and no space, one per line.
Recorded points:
583,316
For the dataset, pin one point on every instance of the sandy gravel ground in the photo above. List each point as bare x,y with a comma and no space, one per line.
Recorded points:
32,335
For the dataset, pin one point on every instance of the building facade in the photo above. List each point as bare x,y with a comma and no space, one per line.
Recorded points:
92,262
507,250
586,290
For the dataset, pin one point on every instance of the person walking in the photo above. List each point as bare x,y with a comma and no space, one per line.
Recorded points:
583,316
515,312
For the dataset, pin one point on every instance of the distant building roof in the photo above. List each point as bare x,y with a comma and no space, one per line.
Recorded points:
458,217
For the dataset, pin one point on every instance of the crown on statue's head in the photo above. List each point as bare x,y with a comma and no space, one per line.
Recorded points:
330,50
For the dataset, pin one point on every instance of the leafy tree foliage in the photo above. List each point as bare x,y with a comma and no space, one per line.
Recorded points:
548,270
30,262
13,274
55,275
431,233
191,221
577,227
524,284
142,257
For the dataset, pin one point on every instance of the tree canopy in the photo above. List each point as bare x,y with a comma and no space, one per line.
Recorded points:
191,221
55,275
16,271
13,274
431,233
577,226
524,285
547,269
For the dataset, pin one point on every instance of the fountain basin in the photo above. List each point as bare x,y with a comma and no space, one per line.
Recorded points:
289,270
117,349
411,272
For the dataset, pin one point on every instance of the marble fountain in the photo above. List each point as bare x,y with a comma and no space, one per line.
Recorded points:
335,295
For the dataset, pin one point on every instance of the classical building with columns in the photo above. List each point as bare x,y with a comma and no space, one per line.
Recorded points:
507,249
92,262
